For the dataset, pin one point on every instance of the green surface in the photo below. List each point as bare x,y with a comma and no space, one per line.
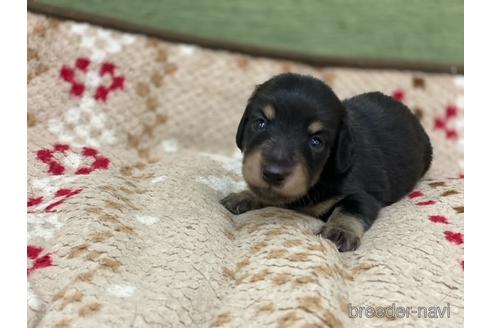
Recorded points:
428,31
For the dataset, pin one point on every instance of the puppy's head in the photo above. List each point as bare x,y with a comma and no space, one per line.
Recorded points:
292,125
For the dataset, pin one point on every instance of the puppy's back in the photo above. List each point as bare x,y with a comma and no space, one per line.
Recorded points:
388,132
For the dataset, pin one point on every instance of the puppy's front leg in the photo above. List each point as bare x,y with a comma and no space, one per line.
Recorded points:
345,231
241,202
350,221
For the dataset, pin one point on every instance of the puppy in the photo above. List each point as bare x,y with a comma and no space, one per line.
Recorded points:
341,162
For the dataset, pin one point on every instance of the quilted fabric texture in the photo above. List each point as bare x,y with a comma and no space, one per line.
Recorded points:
130,148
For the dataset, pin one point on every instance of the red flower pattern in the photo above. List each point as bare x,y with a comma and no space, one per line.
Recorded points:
438,219
81,67
55,167
38,261
399,95
454,237
441,123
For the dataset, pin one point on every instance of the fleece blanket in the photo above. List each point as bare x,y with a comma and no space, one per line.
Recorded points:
131,147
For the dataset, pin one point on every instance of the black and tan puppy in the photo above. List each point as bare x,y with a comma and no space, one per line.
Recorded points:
306,150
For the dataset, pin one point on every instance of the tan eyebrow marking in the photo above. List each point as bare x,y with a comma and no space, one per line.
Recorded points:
269,112
315,127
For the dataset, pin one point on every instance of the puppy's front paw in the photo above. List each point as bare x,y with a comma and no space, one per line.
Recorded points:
240,202
343,240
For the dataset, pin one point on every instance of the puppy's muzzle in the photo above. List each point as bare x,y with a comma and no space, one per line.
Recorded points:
275,174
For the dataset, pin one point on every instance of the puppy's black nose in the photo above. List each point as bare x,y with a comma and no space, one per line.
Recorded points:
274,174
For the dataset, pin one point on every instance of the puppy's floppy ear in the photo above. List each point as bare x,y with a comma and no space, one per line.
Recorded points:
244,119
240,128
344,154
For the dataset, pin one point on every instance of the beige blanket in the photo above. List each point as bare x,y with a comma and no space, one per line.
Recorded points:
130,148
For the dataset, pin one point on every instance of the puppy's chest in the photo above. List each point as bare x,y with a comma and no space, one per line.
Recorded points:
322,209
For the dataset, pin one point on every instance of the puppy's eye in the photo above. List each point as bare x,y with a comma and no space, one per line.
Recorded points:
316,142
260,124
